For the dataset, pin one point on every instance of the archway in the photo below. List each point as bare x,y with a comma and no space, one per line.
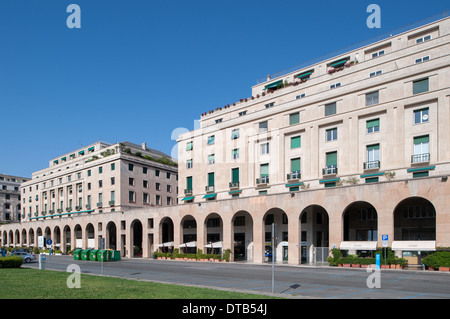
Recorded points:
278,217
66,242
136,238
78,232
242,231
166,235
111,236
57,238
24,237
214,234
314,234
188,234
90,236
31,239
414,229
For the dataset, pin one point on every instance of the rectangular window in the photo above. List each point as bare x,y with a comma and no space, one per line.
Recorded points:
421,145
372,98
377,54
189,146
294,118
331,134
420,86
235,153
211,140
211,159
263,127
242,113
330,109
189,163
373,125
189,183
264,170
144,170
423,39
295,165
113,166
376,73
373,153
211,179
264,148
130,167
235,175
423,59
296,142
335,85
269,105
100,170
131,196
421,116
235,134
331,162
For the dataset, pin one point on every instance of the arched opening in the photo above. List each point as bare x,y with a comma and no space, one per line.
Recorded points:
314,235
214,234
78,236
90,232
278,217
414,229
17,238
31,239
47,235
111,236
57,238
67,242
24,237
242,230
136,238
188,235
166,231
360,229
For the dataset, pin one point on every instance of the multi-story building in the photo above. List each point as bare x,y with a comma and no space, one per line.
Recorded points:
100,178
350,151
10,198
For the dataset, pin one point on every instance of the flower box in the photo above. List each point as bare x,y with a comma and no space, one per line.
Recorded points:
346,265
356,266
444,268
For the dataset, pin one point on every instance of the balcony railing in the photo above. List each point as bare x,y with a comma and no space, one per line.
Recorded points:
234,184
420,158
262,180
88,206
372,165
188,191
294,175
112,202
99,204
332,170
209,189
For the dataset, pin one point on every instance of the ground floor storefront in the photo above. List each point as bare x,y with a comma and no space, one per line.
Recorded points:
409,216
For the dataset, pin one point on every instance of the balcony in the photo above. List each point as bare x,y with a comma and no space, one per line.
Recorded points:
331,170
420,158
294,175
78,207
51,211
88,206
111,202
99,204
68,209
209,189
188,191
262,180
371,165
234,184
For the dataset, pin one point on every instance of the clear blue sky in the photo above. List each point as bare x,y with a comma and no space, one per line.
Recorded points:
138,69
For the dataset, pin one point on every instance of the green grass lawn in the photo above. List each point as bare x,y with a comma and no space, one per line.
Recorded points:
24,283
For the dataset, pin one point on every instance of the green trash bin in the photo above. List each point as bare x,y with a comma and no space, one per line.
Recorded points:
115,255
102,255
77,254
93,255
85,254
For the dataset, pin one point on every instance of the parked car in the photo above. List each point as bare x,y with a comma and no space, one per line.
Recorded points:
26,256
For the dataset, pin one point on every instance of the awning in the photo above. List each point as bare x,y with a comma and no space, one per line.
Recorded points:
358,245
217,244
304,74
273,85
188,198
209,195
339,63
422,245
189,244
168,244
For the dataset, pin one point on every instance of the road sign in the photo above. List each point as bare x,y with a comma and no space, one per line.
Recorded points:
49,242
385,240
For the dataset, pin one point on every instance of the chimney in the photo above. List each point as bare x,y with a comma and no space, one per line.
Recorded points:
144,146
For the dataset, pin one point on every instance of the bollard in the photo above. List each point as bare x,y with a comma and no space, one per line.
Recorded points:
41,261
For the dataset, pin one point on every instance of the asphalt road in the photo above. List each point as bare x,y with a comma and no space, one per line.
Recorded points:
289,281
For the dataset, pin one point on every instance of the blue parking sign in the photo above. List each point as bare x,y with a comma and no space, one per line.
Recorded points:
49,242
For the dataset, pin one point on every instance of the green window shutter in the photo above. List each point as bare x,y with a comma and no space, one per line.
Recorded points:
294,118
211,179
421,174
189,146
420,86
332,159
373,123
189,182
295,164
296,142
235,175
371,180
373,147
421,139
211,139
264,170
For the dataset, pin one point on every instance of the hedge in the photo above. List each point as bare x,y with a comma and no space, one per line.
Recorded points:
437,259
11,262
